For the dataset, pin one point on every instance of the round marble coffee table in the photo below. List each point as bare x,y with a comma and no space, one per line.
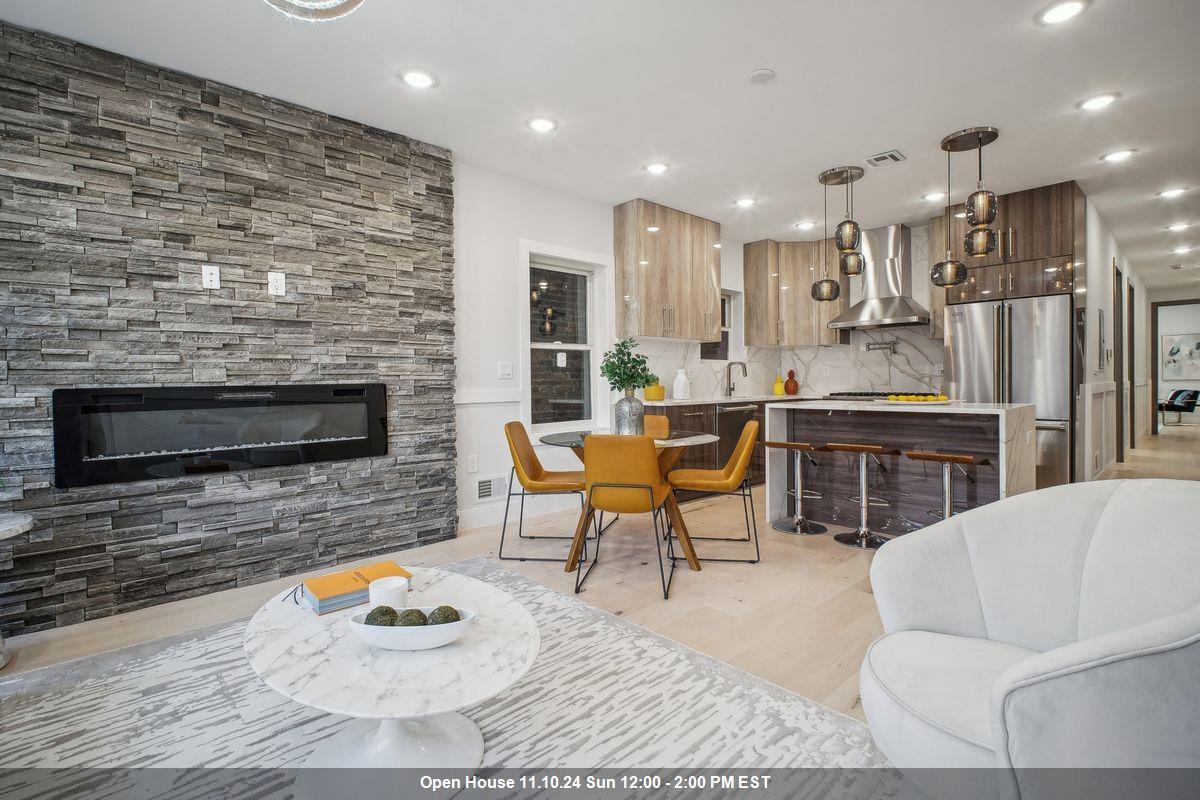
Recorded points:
406,702
12,525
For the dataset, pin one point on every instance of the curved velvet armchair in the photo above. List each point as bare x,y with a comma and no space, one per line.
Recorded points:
1058,628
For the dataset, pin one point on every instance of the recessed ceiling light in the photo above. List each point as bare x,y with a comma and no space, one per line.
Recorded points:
1117,155
1058,13
805,225
961,215
717,245
745,202
933,197
1097,102
761,76
652,229
1181,250
657,168
542,124
1171,194
418,78
1179,226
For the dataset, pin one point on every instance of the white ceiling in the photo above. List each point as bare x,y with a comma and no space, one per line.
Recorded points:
631,81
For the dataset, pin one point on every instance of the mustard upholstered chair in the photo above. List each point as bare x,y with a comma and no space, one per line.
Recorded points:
533,478
657,426
730,479
622,476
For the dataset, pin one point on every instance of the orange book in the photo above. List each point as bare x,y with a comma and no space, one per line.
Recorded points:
348,587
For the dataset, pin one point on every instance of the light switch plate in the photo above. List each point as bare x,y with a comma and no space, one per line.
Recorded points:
210,276
276,283
504,370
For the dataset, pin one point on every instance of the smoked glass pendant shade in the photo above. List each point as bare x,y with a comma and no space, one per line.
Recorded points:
826,290
847,236
852,263
981,208
979,242
948,273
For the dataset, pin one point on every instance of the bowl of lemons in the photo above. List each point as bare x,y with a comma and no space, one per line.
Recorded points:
928,399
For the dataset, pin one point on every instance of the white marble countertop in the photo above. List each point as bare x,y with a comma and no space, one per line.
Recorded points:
725,401
320,662
14,525
953,407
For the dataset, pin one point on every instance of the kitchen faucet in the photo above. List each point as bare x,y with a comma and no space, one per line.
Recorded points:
729,375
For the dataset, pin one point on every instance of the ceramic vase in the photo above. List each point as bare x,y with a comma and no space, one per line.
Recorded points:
682,388
791,385
631,414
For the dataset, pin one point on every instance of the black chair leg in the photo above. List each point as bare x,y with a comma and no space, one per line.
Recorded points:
521,525
744,492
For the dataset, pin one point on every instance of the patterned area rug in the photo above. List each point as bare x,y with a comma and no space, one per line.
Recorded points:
604,692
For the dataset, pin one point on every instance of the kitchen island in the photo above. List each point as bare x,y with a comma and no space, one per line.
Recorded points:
905,494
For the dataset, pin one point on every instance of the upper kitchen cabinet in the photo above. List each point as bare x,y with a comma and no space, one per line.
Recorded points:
1032,224
779,309
668,273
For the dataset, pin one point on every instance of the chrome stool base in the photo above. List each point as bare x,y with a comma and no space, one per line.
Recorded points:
799,527
860,540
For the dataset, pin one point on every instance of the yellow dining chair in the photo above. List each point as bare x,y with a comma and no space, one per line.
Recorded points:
534,479
622,476
731,479
657,426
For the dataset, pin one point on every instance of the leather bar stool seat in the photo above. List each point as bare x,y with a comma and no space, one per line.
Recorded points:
863,538
948,462
800,451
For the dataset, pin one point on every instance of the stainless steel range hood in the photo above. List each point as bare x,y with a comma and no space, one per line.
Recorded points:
886,283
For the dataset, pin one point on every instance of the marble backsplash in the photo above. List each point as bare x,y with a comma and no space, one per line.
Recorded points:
708,376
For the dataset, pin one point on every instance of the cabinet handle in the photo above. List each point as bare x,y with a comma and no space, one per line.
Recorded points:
1000,242
664,320
1012,242
672,320
693,414
1000,284
1010,281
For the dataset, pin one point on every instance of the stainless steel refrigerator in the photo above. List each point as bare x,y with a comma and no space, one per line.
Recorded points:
1019,351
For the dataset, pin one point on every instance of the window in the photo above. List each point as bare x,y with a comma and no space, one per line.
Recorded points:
560,345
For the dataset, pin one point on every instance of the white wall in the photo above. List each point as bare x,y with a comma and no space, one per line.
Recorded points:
1175,320
493,214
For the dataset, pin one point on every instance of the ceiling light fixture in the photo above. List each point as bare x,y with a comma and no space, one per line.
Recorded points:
848,233
1179,226
1099,101
949,271
542,124
314,10
745,202
825,290
1058,13
1117,156
761,76
933,197
418,78
1171,194
981,206
805,225
657,168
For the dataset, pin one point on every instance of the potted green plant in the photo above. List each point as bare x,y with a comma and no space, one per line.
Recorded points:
626,371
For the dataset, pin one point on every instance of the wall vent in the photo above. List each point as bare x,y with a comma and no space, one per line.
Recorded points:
883,159
491,488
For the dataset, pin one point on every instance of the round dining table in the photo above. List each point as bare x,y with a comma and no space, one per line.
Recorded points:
670,450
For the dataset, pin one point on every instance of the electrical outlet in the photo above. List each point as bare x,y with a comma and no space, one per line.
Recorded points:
472,464
504,370
276,283
210,276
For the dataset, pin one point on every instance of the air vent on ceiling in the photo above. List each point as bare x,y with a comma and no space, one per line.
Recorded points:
883,159
489,488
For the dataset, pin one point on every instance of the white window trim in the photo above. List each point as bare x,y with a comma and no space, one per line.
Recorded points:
601,290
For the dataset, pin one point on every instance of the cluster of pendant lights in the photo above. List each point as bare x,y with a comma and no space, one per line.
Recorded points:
981,209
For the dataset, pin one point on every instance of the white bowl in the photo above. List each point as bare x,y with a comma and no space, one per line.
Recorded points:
411,637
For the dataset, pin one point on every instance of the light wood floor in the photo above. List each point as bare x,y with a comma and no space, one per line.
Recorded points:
801,618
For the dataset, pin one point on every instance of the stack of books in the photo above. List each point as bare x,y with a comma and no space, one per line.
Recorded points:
348,587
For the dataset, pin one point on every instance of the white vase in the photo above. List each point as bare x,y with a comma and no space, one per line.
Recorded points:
682,388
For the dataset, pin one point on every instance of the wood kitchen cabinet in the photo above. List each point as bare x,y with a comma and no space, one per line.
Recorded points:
779,309
1035,278
668,273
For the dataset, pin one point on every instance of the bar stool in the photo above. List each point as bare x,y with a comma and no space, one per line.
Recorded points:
863,538
948,462
800,453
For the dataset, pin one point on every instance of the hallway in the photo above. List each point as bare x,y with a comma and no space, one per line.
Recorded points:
1174,453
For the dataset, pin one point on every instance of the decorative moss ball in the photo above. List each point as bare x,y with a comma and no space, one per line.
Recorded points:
382,615
443,614
412,616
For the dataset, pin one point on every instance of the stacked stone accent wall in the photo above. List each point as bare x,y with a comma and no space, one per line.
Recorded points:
118,181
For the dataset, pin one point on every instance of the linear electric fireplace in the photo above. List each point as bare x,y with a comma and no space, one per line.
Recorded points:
132,434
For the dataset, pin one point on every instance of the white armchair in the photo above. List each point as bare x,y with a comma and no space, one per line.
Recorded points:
1058,628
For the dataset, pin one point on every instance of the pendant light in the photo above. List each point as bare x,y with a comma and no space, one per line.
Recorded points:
981,206
851,263
825,290
948,272
848,235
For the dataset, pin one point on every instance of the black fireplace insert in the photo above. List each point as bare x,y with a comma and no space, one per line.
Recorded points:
117,435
